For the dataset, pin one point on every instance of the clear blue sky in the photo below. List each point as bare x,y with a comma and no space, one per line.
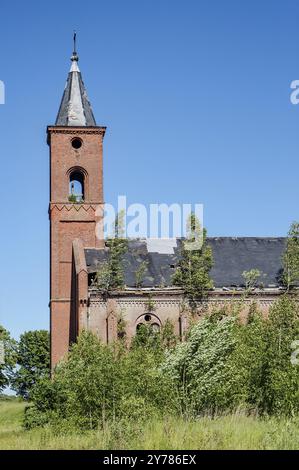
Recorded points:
195,96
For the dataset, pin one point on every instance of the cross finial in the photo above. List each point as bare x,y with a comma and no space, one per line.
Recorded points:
74,39
75,55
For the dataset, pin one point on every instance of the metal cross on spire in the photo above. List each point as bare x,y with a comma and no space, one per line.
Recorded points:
75,55
74,39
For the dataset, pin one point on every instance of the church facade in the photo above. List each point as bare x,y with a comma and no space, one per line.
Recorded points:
76,252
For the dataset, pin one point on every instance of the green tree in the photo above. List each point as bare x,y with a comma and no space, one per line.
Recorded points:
282,384
102,278
33,359
265,375
110,274
291,257
140,272
249,360
192,272
251,277
147,337
199,366
99,383
8,357
168,337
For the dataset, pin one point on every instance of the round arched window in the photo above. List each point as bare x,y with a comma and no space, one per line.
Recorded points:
76,187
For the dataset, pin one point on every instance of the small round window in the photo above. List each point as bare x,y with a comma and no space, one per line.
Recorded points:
76,143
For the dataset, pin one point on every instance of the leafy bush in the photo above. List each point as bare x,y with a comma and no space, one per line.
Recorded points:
282,382
98,383
200,366
223,365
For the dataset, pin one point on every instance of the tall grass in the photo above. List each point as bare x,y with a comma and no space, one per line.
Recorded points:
234,431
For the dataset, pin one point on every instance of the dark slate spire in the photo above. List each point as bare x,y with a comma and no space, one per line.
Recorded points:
75,109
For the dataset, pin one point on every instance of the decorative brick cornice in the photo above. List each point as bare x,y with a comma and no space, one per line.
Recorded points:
142,303
77,207
76,130
176,298
177,292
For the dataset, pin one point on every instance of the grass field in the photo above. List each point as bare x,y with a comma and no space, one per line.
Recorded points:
227,432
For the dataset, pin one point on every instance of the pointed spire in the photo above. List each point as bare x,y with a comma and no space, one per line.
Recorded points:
75,109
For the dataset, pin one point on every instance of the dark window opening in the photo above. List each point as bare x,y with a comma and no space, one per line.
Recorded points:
76,190
91,278
147,317
76,143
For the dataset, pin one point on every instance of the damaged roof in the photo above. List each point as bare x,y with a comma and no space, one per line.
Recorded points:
231,257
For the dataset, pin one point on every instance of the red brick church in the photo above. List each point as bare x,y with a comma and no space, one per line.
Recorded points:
76,204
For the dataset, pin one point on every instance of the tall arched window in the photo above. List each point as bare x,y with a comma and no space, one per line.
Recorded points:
76,188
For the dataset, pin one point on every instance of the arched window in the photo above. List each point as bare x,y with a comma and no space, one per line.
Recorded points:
148,322
76,189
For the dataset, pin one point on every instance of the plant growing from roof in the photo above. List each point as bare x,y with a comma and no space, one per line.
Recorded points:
110,274
251,277
290,275
140,272
192,271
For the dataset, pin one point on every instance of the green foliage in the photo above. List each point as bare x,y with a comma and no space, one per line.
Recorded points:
110,274
291,257
100,383
33,358
158,341
199,366
232,431
225,364
251,277
192,273
73,198
121,327
249,360
269,380
168,337
282,384
146,338
8,361
140,272
150,304
102,278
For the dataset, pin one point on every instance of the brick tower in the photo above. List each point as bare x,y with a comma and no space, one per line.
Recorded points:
76,199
